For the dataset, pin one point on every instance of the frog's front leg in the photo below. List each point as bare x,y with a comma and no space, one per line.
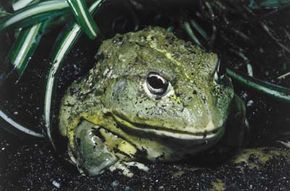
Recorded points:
89,152
237,131
96,149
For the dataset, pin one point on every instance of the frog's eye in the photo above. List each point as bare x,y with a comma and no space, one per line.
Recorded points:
156,84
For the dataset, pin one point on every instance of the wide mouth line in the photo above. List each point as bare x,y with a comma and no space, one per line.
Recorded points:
96,132
162,131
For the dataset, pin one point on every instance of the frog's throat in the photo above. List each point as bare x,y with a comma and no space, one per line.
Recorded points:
206,136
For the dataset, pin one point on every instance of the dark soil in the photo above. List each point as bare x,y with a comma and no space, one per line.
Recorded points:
32,165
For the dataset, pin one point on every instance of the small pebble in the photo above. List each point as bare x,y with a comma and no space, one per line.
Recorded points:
250,103
56,184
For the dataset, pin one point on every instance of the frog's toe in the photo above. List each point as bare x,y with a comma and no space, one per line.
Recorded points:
138,165
124,167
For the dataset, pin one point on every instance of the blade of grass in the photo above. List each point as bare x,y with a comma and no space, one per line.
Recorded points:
83,18
24,47
34,13
275,39
267,88
270,4
191,34
63,46
65,43
199,29
283,76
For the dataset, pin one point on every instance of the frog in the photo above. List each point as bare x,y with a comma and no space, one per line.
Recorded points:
150,96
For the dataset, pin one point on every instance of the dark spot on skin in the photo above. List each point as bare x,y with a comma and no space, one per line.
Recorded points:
118,40
203,98
78,141
194,92
158,98
137,60
178,94
73,91
253,159
98,91
182,109
176,55
115,150
169,39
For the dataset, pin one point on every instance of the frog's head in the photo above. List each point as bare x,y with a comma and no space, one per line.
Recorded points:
159,87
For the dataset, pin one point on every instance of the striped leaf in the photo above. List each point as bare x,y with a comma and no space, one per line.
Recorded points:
267,88
83,18
25,46
34,14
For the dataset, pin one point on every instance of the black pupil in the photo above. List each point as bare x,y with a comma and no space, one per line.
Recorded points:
158,84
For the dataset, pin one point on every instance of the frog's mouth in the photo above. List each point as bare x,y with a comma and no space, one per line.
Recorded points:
161,132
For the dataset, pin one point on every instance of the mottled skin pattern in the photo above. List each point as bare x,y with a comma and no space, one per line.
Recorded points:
110,116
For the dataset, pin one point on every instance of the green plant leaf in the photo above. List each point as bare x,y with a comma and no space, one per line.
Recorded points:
25,46
191,34
83,18
199,29
13,125
270,4
63,46
34,13
267,88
